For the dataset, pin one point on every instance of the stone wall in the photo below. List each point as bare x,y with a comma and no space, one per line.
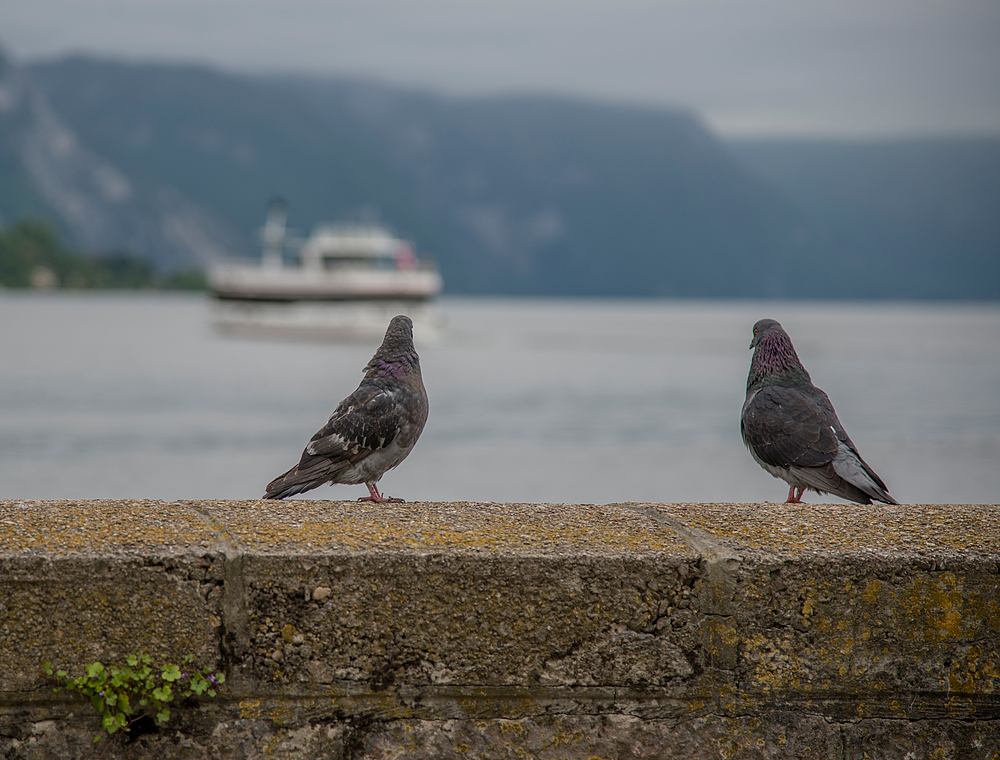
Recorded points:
466,630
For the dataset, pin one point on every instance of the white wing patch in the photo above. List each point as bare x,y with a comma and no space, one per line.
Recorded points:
330,442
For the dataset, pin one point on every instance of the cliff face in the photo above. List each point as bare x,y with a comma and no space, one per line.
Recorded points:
19,195
99,205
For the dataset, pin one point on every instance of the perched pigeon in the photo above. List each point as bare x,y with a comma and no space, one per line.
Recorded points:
370,431
791,429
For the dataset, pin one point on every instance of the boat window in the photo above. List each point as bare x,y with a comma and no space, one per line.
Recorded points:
347,262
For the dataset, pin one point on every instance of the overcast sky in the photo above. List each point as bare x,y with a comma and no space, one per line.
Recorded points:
809,67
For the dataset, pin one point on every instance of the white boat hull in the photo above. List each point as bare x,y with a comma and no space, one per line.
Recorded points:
347,321
242,281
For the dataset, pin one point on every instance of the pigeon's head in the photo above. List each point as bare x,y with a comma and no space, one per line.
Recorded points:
774,359
399,333
763,328
397,348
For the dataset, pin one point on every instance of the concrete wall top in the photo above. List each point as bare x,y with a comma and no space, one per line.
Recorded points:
63,527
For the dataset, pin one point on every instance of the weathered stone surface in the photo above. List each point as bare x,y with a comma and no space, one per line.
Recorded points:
513,630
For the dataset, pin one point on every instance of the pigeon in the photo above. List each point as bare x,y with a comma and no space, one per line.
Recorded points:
372,430
792,431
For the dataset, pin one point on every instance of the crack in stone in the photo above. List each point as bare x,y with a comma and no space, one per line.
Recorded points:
719,563
234,629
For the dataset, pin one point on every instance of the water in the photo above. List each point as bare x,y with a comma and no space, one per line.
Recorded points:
135,396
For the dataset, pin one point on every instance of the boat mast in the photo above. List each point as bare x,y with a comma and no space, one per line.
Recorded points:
273,234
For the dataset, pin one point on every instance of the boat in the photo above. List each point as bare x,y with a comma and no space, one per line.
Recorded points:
345,282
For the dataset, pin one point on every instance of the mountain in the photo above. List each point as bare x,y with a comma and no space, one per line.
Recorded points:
19,195
519,195
562,197
511,195
922,214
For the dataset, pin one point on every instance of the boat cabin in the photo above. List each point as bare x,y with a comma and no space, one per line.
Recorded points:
352,246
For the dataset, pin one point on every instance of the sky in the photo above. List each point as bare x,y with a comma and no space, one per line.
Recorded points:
843,68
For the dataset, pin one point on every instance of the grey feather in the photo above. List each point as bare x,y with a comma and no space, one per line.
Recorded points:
792,430
372,430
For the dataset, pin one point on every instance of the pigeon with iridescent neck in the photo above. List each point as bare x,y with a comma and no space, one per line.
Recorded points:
792,431
372,430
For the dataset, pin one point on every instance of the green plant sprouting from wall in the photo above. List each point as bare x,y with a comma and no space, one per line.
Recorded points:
124,695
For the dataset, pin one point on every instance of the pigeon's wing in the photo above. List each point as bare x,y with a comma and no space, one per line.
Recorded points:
366,421
798,429
848,464
362,424
785,428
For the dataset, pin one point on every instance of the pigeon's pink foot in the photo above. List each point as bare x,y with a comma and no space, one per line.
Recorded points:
794,498
378,498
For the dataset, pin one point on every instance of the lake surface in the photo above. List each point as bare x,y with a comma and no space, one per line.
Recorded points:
135,396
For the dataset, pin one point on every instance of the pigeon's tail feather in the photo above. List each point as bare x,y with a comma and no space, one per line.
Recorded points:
876,488
885,498
847,476
878,493
827,480
856,473
291,483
